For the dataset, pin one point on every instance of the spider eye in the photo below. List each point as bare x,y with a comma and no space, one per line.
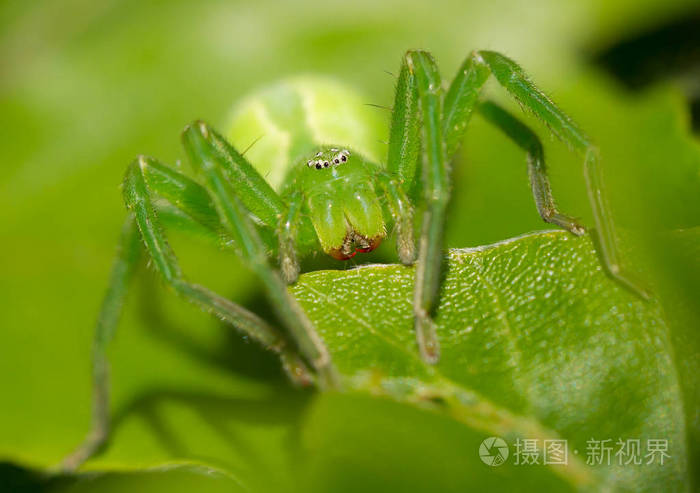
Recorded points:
336,161
318,166
343,158
325,164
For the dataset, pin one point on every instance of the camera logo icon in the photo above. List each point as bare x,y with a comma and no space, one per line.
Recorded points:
493,451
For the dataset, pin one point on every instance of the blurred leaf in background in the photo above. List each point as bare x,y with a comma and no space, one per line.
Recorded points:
85,86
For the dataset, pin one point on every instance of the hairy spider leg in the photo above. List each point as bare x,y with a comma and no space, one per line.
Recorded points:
418,116
537,171
145,179
249,186
417,107
404,133
128,255
460,101
402,214
209,158
288,229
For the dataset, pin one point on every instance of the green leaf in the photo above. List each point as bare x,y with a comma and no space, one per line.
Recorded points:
537,343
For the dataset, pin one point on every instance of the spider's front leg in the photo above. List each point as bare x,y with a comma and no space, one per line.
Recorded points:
418,113
212,156
146,179
128,255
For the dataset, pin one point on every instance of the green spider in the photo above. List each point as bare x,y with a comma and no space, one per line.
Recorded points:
334,197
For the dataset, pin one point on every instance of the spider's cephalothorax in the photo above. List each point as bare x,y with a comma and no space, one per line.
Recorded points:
338,189
295,196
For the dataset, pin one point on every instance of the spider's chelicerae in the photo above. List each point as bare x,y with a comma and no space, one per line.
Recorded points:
334,197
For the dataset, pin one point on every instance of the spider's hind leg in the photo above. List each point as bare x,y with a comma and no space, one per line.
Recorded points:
537,171
462,98
513,79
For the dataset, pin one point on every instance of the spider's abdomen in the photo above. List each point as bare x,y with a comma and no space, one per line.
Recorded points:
281,123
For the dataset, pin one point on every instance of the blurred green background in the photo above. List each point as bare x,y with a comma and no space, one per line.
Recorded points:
85,86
